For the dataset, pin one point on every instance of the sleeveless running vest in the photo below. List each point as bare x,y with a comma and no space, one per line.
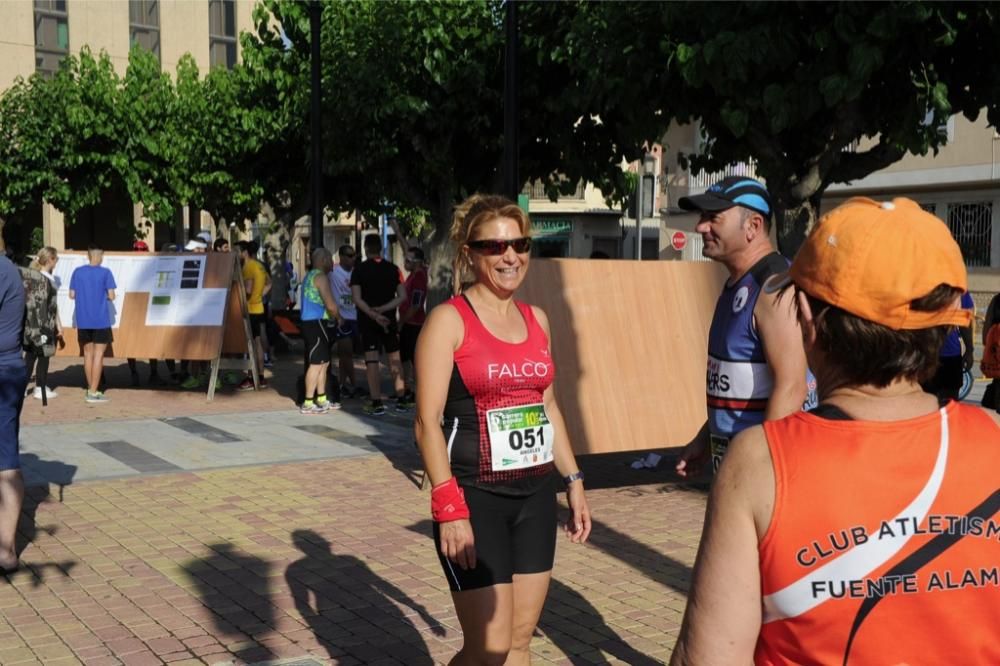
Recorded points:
739,381
312,302
499,437
884,544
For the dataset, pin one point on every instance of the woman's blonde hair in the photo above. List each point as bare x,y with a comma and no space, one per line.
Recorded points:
472,213
44,256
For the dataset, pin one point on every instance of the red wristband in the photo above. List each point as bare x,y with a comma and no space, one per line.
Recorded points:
448,502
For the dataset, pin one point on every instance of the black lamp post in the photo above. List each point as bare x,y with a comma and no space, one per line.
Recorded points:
511,84
316,125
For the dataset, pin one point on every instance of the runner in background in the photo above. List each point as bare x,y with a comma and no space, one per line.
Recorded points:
957,356
91,286
412,314
756,365
256,282
340,284
318,308
990,365
377,290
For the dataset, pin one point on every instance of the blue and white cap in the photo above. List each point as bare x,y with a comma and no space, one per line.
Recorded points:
728,192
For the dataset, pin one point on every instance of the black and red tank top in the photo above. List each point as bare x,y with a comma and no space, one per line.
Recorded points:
499,436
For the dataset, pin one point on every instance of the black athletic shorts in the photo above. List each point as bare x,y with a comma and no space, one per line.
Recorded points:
514,535
256,321
374,338
408,341
317,338
100,336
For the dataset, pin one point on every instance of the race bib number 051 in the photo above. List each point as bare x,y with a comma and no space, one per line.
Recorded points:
519,437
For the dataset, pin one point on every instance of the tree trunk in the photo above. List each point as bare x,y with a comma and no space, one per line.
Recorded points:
795,219
438,251
3,224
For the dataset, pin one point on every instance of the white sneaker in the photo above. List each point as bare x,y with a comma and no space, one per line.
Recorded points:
49,393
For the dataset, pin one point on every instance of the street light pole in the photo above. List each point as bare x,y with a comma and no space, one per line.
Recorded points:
510,103
316,126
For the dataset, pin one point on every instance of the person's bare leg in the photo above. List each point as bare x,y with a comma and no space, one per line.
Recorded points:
11,499
371,370
345,361
260,357
313,380
321,378
486,616
396,370
97,365
88,351
409,377
530,591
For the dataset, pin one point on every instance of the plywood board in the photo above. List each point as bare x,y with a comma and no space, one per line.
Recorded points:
134,337
630,343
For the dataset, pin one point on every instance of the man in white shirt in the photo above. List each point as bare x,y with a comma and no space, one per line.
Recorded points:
340,284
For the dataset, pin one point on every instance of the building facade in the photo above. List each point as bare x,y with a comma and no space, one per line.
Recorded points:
35,35
960,184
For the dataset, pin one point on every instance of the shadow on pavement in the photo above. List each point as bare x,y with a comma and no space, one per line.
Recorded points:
350,609
568,616
36,494
235,586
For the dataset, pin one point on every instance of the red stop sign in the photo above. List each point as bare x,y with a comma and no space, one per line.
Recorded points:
678,240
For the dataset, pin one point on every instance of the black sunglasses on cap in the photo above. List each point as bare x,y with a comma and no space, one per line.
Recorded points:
493,248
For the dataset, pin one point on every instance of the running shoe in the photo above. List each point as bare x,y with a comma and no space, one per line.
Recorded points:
403,404
49,393
374,408
96,397
327,405
313,409
247,385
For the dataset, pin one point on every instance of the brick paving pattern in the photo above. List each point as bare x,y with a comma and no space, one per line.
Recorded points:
326,560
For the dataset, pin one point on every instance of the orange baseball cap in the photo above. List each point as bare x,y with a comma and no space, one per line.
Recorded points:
873,258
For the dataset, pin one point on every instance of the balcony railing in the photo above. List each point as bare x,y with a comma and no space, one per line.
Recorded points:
703,180
536,190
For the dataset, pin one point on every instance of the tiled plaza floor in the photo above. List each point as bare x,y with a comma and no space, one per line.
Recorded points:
328,560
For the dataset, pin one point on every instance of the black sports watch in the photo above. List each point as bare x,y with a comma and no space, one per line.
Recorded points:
575,476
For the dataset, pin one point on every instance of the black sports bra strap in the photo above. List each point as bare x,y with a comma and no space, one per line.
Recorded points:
830,412
469,303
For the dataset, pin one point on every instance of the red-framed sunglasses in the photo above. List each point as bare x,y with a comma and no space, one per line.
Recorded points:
496,247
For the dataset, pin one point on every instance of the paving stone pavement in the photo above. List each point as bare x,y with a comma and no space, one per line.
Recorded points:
266,536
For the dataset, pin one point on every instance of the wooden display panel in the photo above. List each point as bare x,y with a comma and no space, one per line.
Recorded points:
134,339
630,345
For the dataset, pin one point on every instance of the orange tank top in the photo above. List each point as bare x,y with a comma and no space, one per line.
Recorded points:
884,544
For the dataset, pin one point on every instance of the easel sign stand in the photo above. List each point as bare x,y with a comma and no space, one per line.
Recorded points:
238,318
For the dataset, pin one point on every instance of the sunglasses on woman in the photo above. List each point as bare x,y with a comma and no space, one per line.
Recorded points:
493,248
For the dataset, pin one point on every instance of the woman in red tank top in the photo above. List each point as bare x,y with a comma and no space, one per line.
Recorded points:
491,436
866,531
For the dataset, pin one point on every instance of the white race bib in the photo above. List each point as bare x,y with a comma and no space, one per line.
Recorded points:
519,437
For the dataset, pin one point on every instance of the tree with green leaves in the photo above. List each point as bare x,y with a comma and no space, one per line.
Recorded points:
87,132
794,85
411,97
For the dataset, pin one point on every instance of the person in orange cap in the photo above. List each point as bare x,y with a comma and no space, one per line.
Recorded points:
867,529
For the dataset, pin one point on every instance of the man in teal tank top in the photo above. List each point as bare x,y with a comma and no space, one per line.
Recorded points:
318,305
